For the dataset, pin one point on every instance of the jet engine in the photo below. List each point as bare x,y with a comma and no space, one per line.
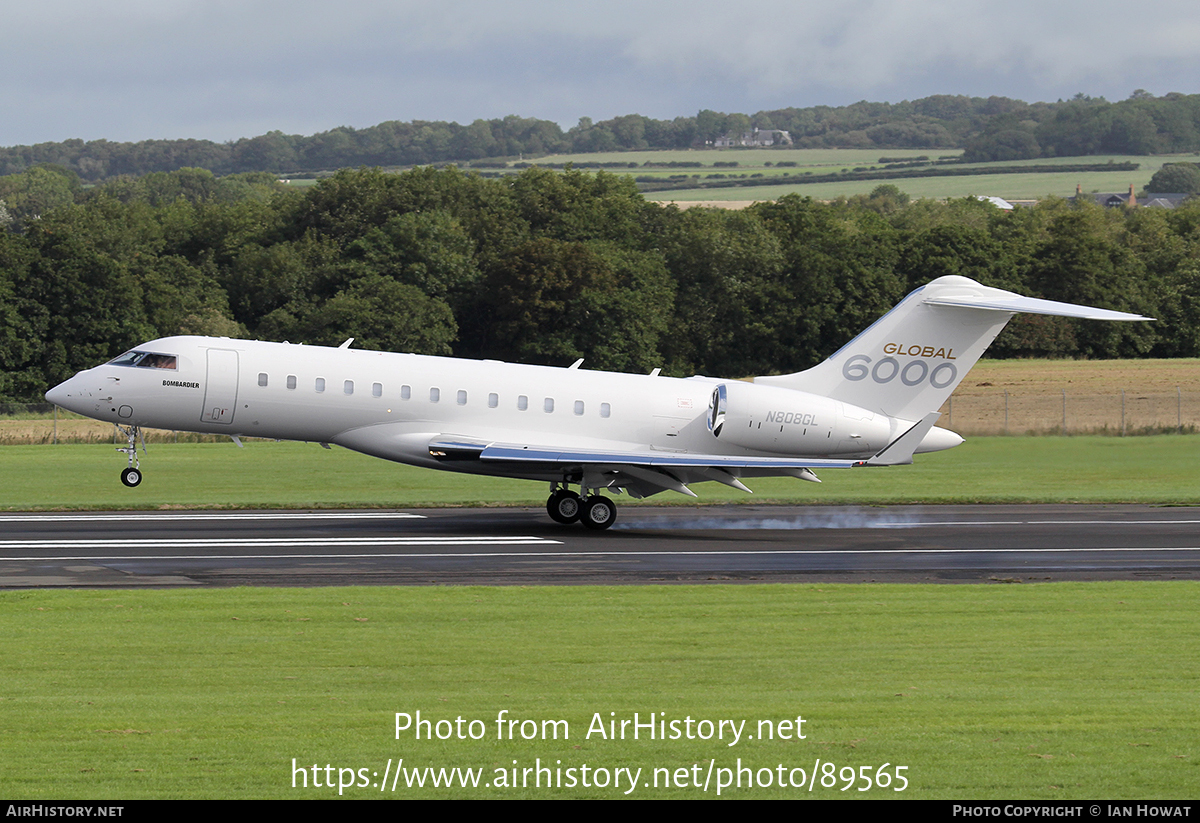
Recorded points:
772,419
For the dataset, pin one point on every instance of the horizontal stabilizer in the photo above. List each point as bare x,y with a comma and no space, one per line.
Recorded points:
997,300
900,451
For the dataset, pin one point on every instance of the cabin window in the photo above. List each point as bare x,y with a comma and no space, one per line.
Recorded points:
461,398
320,384
262,378
605,410
579,407
435,395
348,387
522,403
377,390
548,405
405,392
493,400
291,381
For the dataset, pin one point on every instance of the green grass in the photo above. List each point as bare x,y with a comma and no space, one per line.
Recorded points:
1009,186
823,161
265,474
1034,691
828,159
1019,186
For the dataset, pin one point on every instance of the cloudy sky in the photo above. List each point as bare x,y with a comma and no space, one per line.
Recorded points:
219,69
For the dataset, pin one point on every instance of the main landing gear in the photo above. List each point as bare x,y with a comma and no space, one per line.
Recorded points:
133,475
565,506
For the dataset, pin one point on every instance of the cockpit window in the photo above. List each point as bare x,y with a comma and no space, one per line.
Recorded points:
145,360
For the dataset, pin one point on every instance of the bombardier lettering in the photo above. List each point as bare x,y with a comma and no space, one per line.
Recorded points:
792,417
181,383
918,351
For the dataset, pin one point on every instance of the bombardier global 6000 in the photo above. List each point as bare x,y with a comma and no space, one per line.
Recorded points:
872,403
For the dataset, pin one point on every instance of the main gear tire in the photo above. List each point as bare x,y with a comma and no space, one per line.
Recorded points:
564,506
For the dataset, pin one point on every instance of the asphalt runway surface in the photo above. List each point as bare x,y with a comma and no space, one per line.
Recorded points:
945,544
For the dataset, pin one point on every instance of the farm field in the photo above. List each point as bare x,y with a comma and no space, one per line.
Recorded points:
1097,396
1008,186
751,162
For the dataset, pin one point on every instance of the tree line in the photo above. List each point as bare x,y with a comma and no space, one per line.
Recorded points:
989,129
547,266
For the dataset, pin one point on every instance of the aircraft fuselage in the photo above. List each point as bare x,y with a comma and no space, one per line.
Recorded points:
390,405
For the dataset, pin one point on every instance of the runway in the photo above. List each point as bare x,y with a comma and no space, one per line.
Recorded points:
648,545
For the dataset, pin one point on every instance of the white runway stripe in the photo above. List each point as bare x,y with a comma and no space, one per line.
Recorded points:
155,517
276,542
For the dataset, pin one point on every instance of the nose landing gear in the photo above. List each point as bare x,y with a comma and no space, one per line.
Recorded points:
132,475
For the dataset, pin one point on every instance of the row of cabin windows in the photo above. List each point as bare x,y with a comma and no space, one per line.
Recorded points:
435,395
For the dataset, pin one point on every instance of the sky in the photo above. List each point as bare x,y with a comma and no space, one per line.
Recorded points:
129,70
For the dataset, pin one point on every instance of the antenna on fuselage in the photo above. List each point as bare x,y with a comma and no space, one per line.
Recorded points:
346,345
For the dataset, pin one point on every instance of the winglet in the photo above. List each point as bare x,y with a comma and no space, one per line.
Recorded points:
900,451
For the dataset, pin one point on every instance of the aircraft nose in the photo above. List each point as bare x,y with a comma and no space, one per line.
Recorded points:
66,395
57,394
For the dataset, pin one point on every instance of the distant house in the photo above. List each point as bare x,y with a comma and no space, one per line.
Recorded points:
756,138
1117,200
1164,201
998,202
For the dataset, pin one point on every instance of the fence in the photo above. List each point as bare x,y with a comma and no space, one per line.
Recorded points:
998,412
24,424
1119,412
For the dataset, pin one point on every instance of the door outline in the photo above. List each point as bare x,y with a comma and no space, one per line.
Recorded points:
221,387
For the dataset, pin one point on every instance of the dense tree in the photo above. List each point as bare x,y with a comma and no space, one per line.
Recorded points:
728,270
549,267
1175,178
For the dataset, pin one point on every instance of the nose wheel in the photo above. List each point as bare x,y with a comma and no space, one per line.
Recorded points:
132,475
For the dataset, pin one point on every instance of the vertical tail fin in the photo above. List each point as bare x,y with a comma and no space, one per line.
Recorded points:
911,359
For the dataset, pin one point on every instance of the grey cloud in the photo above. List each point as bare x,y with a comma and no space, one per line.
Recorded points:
133,68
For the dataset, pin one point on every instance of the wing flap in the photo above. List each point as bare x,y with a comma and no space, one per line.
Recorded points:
498,452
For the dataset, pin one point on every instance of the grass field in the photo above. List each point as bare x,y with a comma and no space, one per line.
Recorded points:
1008,186
1048,691
1017,186
1033,691
267,474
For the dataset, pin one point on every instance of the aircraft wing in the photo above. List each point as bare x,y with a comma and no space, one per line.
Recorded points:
670,470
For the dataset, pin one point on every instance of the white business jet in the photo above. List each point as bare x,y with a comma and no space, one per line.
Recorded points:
872,403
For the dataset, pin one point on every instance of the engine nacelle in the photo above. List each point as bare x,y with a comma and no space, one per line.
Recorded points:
772,419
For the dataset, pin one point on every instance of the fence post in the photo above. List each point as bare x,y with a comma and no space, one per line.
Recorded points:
1006,411
1122,412
1178,410
56,425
